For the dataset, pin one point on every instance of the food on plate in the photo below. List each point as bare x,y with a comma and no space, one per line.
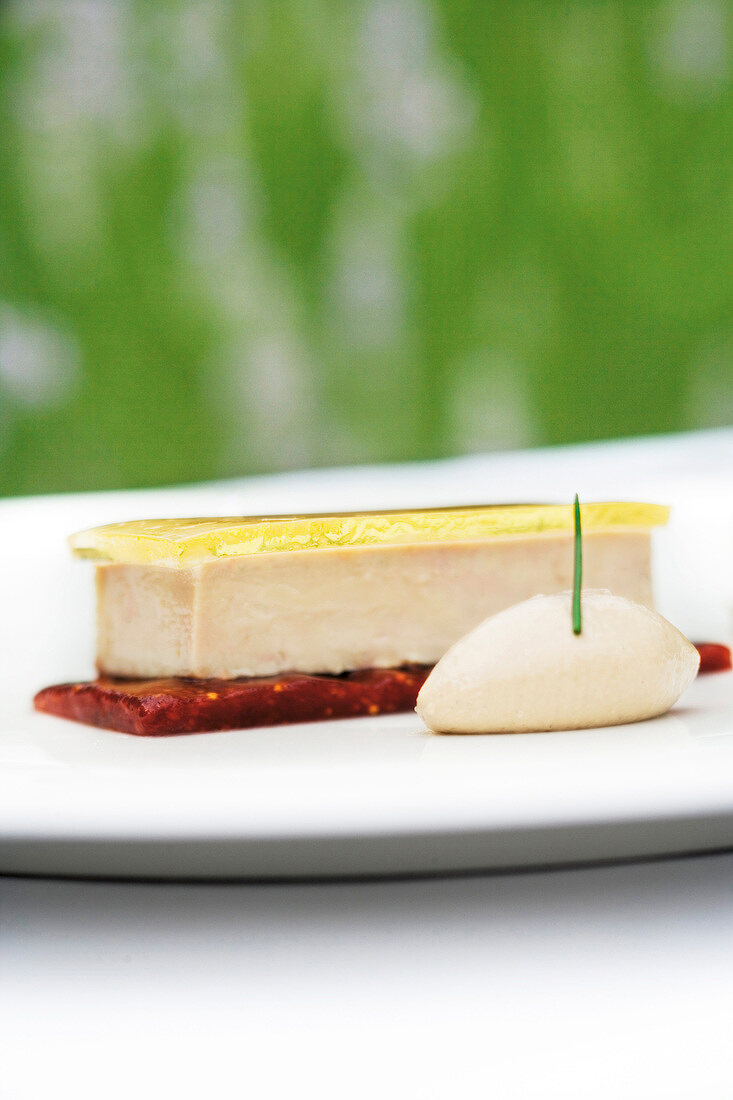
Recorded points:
560,662
571,660
714,657
222,623
525,670
157,708
258,596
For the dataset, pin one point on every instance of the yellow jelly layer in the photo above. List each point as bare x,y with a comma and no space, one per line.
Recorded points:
184,542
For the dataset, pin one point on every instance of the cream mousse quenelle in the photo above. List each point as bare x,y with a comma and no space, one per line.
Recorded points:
525,670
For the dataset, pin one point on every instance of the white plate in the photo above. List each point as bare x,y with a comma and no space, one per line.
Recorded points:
365,796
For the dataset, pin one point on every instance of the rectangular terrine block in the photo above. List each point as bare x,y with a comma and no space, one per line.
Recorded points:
333,609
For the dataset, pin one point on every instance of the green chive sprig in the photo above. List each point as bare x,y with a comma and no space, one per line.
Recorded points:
578,571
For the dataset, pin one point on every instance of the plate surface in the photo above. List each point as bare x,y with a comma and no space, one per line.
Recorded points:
377,795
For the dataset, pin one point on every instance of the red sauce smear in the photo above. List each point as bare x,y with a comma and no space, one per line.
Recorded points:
160,708
713,657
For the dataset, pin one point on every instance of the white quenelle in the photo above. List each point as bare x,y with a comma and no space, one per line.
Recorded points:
524,669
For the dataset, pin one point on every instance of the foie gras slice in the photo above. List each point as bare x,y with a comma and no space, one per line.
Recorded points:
256,596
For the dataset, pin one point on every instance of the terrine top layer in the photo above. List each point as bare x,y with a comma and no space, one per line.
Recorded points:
186,542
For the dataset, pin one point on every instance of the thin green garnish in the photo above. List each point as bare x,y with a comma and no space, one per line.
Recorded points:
578,571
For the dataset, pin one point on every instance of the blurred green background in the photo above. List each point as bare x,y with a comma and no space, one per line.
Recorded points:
245,237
